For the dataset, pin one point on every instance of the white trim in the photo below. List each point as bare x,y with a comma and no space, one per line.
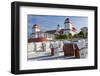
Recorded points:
24,64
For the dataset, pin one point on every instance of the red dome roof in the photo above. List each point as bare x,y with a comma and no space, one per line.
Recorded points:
35,26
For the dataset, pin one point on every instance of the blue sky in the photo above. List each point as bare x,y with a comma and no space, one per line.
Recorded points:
49,22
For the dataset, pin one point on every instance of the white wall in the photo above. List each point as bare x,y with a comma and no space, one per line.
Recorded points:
5,22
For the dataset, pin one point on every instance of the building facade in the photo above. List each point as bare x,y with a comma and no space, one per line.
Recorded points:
38,35
67,29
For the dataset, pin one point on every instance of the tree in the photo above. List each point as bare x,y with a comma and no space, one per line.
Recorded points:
81,34
61,37
70,36
86,34
75,36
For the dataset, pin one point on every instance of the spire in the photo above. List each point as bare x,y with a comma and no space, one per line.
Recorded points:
58,27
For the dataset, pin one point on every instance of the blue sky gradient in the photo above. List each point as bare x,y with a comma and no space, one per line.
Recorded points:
50,22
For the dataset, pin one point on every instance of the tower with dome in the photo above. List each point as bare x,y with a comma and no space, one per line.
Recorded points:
68,27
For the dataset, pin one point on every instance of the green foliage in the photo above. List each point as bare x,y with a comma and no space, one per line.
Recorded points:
70,36
61,37
75,36
67,37
81,34
85,34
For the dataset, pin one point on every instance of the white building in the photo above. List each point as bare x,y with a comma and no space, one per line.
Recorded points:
37,33
68,27
50,34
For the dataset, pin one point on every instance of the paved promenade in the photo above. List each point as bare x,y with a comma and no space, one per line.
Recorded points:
59,53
